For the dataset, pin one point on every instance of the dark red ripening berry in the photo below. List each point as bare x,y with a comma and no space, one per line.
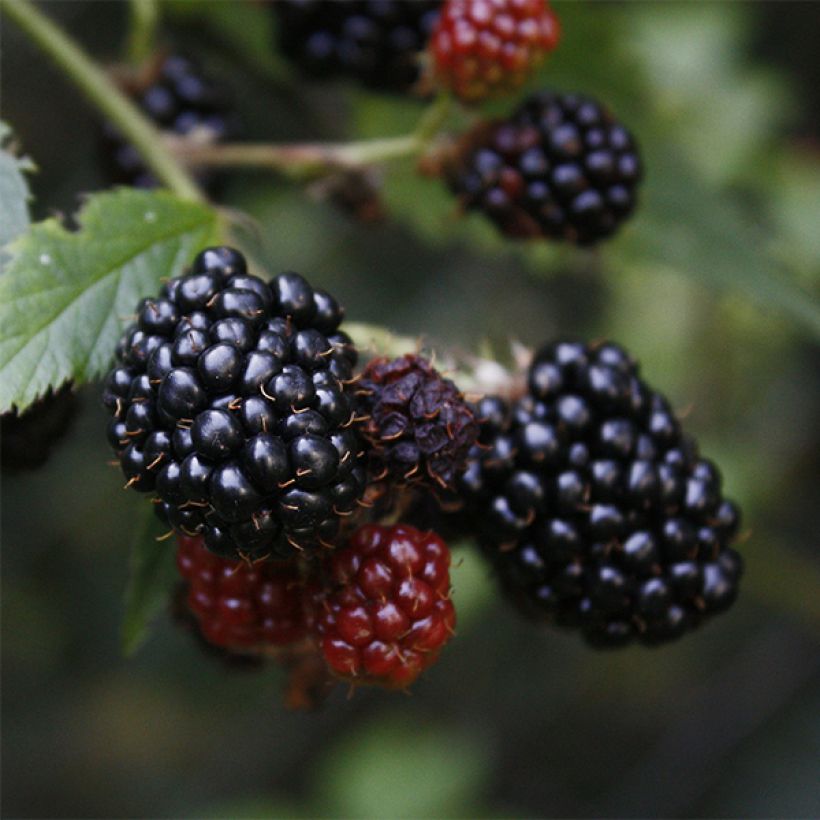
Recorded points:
240,606
417,423
384,612
482,48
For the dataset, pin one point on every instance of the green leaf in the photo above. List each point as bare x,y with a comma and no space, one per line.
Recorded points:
67,295
152,574
14,191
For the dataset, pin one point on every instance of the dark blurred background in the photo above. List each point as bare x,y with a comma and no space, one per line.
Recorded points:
513,721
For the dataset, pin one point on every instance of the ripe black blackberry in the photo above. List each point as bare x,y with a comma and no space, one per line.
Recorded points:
417,423
27,438
230,401
597,512
561,167
374,41
180,99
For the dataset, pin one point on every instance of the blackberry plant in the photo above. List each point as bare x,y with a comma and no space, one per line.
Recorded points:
307,494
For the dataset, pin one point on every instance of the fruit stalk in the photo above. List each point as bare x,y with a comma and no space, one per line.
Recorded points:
303,161
142,29
103,93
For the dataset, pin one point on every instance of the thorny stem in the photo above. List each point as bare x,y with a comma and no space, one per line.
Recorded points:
142,29
309,160
105,95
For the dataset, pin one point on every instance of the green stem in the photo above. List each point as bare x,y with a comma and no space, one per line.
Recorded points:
308,160
298,161
433,118
99,89
142,31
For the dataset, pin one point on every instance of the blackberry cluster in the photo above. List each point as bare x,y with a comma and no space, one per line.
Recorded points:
374,41
27,438
229,400
179,98
384,611
596,510
561,167
417,423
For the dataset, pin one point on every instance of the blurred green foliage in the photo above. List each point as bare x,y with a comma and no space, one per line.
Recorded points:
513,721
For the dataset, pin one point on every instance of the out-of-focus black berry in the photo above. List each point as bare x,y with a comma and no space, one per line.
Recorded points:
180,99
377,43
561,167
597,512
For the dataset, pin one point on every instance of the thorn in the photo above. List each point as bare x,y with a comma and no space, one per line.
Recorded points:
265,394
156,461
294,410
366,504
342,513
283,484
236,404
131,482
301,472
165,536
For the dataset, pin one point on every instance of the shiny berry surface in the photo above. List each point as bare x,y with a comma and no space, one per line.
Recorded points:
237,410
385,610
596,516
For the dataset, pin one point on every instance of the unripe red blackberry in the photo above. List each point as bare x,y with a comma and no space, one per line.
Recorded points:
180,99
242,607
384,612
27,438
417,423
377,42
596,510
482,48
562,167
231,401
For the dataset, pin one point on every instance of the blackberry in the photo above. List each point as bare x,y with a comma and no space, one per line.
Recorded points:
596,510
417,423
562,167
230,401
27,438
385,612
480,49
374,41
180,99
